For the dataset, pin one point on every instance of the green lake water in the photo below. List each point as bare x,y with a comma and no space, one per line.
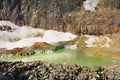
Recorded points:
66,56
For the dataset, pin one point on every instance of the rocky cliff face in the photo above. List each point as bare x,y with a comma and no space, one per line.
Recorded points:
61,15
37,13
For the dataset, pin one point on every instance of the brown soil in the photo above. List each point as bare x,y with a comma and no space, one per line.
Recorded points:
25,50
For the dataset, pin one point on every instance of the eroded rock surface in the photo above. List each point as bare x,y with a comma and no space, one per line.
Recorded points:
61,15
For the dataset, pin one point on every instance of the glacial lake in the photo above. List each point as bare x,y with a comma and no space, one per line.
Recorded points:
66,56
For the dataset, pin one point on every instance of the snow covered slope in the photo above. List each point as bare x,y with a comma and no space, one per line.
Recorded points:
26,36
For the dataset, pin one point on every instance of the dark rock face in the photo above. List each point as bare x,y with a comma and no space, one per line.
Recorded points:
61,15
5,28
49,71
37,13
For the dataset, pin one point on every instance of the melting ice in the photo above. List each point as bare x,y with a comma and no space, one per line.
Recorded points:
26,36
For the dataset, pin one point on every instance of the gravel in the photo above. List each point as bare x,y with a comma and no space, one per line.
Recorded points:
38,70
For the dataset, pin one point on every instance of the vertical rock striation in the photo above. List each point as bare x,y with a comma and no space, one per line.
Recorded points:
38,13
61,15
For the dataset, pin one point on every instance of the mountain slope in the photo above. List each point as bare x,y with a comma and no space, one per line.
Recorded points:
61,15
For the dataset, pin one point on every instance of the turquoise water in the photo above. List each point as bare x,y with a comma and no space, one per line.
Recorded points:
66,56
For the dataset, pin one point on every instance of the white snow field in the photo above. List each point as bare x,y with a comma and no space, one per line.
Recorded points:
26,36
90,5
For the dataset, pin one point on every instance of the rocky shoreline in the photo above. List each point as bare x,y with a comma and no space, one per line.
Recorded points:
49,71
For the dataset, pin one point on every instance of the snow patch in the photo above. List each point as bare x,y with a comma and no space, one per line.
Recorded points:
26,36
8,23
90,5
102,41
73,46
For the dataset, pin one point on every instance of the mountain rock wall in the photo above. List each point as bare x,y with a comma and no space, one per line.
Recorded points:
61,15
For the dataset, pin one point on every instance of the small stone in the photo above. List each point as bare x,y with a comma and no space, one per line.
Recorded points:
32,78
93,78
